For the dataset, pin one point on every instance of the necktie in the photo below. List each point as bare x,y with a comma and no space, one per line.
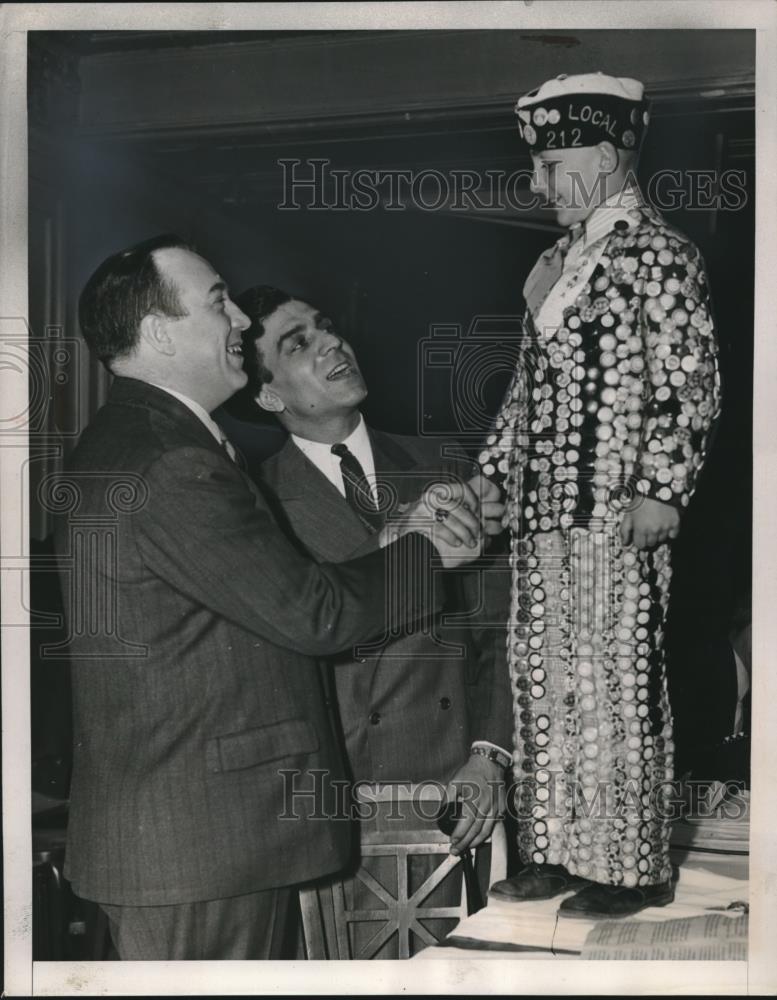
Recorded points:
549,268
357,490
235,455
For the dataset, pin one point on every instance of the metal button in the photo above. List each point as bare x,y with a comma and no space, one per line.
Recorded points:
445,704
375,718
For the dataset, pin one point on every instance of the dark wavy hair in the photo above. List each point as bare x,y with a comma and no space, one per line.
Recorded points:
125,288
258,303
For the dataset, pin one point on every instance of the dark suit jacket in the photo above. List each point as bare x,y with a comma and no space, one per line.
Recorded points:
409,707
195,631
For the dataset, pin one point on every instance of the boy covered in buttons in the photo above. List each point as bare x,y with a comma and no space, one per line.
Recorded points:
598,446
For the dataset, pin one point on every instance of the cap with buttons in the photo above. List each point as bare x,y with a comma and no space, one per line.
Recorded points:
583,110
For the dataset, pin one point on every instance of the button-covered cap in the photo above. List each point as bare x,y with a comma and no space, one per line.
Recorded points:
583,110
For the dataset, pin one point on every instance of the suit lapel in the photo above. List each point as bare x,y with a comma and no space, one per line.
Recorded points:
318,513
393,468
133,392
401,477
176,416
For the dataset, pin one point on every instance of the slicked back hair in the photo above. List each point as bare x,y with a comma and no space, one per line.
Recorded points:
126,287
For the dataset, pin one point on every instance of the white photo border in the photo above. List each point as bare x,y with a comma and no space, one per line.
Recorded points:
499,975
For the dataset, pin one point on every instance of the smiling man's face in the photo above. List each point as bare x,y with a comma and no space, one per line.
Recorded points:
315,374
208,362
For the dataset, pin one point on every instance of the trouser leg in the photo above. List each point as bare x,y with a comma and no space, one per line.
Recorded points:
250,926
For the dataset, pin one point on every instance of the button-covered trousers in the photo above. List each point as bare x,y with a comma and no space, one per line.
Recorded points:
593,730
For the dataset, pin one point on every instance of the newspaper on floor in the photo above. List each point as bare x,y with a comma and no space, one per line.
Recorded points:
711,937
537,925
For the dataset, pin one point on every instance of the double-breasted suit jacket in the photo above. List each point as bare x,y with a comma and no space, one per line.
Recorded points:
409,706
195,633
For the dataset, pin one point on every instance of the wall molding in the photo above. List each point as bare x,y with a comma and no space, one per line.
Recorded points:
703,96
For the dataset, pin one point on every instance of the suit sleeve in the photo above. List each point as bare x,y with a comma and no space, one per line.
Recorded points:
681,374
487,588
204,532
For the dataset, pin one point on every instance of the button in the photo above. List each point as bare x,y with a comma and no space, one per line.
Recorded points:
375,718
445,704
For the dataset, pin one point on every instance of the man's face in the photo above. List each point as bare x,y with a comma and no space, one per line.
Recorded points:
570,180
315,374
208,355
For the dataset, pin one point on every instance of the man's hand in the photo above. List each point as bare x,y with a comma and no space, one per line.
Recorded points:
479,785
491,506
650,524
452,517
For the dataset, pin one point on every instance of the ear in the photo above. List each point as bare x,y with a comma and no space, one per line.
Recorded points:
153,331
268,399
608,157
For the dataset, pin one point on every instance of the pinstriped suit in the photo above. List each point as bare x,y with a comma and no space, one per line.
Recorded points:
208,687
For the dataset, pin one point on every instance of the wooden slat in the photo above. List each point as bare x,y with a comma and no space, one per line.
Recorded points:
381,937
312,923
341,924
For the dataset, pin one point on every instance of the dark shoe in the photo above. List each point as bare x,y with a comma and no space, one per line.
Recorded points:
598,902
535,882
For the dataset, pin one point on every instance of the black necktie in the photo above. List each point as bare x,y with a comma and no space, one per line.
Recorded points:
357,490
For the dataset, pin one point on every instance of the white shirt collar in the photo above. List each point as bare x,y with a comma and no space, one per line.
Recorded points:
197,409
320,454
619,206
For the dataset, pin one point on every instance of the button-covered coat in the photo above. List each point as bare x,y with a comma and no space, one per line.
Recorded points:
614,395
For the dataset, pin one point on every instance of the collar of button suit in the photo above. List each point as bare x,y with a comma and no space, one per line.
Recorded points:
579,248
620,210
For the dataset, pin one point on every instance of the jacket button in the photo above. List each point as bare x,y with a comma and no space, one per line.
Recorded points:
445,704
375,718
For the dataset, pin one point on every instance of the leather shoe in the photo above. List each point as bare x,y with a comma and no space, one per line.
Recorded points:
535,882
599,902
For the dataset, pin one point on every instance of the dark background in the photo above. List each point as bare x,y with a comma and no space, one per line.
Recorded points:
135,133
